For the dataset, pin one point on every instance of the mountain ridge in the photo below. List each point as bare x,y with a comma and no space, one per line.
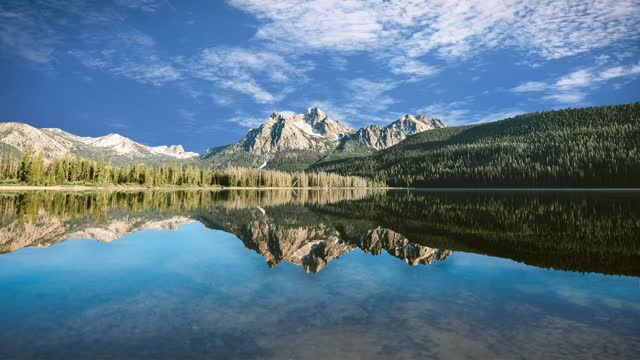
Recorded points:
570,148
55,142
298,141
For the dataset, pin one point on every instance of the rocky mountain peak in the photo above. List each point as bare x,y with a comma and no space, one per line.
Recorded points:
315,115
315,132
413,124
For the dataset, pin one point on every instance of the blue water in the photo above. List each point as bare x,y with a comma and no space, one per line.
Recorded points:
199,293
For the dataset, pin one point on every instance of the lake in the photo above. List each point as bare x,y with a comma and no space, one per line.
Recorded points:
319,274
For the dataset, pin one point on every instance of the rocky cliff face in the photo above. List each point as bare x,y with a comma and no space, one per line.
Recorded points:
310,136
383,137
315,121
22,136
413,124
280,134
375,137
299,138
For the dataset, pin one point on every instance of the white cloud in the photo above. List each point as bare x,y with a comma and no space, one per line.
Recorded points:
23,32
246,71
246,120
530,86
573,88
459,113
363,102
129,53
247,86
35,30
454,113
567,97
618,71
550,29
143,5
498,115
339,63
154,73
577,79
409,66
222,100
370,95
339,25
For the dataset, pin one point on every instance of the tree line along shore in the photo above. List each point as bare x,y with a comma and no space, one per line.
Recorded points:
32,170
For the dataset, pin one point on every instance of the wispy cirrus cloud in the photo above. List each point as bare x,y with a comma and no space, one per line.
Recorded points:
386,45
247,71
574,87
409,66
30,38
245,120
142,5
362,102
530,86
448,29
460,113
128,53
34,30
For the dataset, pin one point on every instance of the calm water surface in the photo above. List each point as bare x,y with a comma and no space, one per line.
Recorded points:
320,275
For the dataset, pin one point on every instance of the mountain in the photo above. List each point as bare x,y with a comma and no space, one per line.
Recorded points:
285,229
300,236
380,138
301,139
57,143
293,143
588,147
21,136
49,231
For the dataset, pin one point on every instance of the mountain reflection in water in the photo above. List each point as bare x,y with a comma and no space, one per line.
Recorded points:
577,231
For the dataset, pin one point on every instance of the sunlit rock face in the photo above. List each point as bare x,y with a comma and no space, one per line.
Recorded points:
55,143
314,130
22,136
313,134
280,134
379,138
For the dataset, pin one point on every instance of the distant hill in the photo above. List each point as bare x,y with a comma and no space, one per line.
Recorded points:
588,147
17,137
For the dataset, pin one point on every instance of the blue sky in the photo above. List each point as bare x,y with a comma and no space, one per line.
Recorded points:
201,73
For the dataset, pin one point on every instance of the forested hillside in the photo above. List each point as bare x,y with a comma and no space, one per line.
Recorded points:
588,147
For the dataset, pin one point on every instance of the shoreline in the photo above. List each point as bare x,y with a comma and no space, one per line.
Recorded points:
164,188
218,188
